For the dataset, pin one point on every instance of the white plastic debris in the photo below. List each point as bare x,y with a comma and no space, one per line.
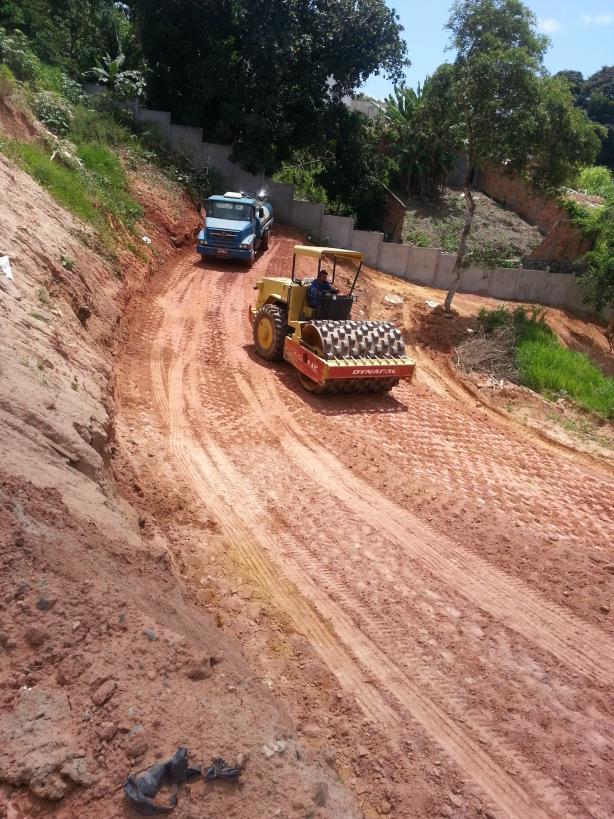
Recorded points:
431,303
5,267
146,239
392,298
272,748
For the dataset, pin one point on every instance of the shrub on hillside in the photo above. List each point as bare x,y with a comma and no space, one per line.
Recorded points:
596,180
7,82
54,112
16,53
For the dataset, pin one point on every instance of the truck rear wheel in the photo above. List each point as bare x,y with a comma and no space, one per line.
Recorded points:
270,327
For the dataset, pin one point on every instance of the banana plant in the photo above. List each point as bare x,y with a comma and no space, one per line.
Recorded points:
122,83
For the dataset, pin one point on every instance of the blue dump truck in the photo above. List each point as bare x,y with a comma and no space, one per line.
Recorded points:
236,226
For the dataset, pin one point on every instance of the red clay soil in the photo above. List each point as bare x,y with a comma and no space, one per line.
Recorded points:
427,585
108,660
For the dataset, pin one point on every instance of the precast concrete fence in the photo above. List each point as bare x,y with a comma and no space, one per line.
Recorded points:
428,266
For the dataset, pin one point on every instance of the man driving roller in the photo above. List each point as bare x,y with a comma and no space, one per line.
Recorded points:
320,287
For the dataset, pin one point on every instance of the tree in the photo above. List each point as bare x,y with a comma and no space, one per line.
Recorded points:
575,80
263,73
421,133
599,277
567,139
595,96
508,107
355,173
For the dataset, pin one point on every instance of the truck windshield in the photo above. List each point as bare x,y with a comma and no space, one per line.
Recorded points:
229,210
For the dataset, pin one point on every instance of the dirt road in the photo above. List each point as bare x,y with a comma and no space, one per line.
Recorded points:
446,569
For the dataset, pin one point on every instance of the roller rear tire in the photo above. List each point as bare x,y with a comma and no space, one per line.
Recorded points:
270,329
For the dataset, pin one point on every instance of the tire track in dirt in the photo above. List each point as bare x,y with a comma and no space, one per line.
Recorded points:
211,397
575,643
211,471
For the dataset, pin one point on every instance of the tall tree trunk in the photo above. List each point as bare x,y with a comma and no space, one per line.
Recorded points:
462,248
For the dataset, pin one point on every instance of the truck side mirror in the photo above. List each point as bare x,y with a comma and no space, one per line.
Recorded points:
261,213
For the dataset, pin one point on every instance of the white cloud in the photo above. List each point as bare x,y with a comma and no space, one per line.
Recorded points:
597,19
549,26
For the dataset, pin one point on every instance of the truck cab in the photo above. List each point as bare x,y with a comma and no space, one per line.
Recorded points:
236,227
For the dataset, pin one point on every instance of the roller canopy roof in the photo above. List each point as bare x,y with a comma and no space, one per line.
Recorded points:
320,252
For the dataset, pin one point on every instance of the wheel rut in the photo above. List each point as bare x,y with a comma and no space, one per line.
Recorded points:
224,415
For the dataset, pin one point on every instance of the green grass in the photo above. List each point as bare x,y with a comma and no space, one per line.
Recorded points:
68,187
92,194
596,180
551,369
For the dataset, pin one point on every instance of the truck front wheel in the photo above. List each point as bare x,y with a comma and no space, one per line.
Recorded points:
265,239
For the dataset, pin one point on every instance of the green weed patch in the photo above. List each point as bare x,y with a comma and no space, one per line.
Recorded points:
551,369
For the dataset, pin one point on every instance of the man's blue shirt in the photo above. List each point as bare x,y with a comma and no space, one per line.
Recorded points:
317,289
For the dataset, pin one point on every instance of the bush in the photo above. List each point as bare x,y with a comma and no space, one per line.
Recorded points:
70,90
302,176
7,82
596,181
89,125
16,53
54,112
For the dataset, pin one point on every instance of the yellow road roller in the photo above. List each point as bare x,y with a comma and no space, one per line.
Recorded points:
311,328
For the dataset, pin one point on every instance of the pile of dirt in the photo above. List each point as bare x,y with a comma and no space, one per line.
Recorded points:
438,222
108,662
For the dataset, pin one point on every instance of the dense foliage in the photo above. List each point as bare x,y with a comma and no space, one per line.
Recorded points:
595,96
73,34
265,76
595,180
599,278
423,134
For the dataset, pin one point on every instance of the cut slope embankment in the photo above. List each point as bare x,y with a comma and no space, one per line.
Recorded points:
108,661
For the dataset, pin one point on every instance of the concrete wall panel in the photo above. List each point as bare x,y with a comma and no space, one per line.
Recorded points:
248,182
394,259
503,283
531,285
369,243
188,141
307,216
443,273
337,230
422,265
575,296
557,288
161,119
474,280
281,197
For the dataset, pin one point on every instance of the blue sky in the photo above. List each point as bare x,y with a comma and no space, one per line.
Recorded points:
581,31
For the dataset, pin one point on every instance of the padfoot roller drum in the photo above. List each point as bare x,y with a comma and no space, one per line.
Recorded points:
362,342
